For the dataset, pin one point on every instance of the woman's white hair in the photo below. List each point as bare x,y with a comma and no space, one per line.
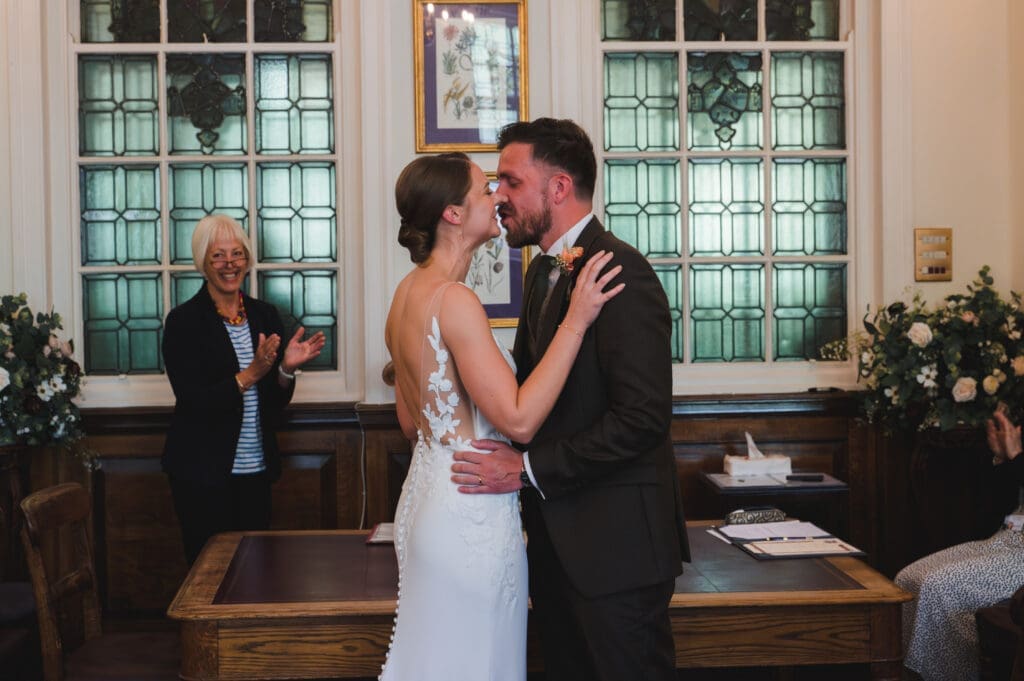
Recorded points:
206,232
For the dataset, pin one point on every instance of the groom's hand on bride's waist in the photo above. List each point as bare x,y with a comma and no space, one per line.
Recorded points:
493,472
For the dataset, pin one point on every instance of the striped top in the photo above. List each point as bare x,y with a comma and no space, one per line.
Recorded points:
249,452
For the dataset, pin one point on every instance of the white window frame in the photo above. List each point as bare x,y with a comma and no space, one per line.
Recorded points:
343,384
582,100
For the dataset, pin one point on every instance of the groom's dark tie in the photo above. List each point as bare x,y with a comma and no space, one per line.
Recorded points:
540,284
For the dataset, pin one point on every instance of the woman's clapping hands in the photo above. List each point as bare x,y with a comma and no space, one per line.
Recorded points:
1004,438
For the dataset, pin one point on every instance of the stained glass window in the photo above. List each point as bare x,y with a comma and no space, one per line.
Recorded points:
746,224
638,19
237,130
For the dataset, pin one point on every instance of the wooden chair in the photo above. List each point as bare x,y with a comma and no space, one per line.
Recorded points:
1001,639
69,602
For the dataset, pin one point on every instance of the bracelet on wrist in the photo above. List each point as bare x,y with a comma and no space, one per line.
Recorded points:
241,384
285,374
569,328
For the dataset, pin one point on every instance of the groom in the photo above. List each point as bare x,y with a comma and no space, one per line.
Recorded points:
600,496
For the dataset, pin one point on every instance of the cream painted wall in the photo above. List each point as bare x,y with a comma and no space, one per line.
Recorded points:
963,137
968,181
1015,242
389,144
6,235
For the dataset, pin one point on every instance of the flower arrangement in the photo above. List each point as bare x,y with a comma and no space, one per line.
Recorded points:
940,367
566,260
38,378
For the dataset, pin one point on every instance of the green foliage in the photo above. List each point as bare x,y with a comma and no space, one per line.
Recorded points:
38,378
944,366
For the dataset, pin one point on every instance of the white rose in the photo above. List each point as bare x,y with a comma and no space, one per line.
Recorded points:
53,342
990,384
965,390
1018,365
5,378
919,334
5,330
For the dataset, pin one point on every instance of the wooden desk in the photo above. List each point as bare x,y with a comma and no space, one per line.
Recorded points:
276,605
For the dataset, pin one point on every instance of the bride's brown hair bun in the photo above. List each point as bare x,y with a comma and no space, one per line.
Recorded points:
425,188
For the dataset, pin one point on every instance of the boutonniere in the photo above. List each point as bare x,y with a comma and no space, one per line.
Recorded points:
567,258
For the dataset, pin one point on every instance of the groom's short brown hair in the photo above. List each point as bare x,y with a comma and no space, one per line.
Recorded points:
560,143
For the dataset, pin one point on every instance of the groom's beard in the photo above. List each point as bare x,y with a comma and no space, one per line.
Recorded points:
527,228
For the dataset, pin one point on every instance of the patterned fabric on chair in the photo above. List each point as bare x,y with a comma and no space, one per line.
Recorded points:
68,602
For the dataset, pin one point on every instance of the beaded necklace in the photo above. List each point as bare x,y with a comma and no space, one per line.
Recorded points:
239,318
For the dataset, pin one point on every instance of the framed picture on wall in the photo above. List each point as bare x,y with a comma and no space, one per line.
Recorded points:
470,72
497,274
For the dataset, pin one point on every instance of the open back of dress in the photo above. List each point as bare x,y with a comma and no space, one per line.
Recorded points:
461,558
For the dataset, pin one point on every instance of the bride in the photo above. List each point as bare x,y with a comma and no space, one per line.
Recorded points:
462,597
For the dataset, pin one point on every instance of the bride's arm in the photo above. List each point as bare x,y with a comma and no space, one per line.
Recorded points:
518,411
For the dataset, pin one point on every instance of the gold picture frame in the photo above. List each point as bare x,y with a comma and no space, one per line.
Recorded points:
455,42
492,276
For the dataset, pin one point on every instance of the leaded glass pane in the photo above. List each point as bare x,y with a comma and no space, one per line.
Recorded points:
296,212
724,101
809,211
638,19
715,20
641,105
671,279
802,19
643,206
206,21
117,105
197,190
307,298
120,215
726,207
810,308
727,311
808,106
206,103
120,21
123,322
184,285
289,21
294,113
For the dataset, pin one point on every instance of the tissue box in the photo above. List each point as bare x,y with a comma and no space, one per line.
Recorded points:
772,464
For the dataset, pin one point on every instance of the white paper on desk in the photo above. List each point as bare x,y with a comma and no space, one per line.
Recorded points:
726,481
382,533
779,530
829,546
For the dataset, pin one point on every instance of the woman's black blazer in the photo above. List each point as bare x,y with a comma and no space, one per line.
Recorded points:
201,364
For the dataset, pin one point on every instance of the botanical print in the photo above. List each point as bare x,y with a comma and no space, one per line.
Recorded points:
489,272
475,69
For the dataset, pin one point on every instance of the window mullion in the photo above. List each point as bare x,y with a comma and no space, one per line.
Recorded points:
250,134
684,197
164,162
767,159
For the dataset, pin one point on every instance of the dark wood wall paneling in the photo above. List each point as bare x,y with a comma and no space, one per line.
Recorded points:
329,451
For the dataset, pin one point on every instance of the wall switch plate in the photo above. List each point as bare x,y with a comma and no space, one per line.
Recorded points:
933,254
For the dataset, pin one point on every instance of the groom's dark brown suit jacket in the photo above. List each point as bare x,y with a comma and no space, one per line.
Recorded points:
603,457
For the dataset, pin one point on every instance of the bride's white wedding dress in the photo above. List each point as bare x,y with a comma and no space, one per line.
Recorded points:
462,597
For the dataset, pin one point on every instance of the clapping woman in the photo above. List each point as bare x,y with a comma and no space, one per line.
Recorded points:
232,378
939,631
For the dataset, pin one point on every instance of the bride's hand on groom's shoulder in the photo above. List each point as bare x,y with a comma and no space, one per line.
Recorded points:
589,294
494,472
